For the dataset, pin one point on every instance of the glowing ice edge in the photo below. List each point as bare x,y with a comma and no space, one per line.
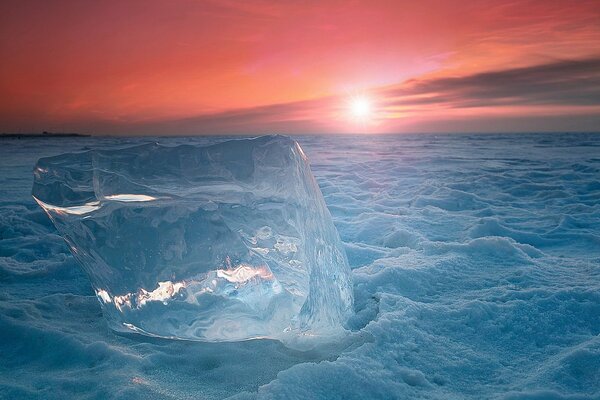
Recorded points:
94,205
168,290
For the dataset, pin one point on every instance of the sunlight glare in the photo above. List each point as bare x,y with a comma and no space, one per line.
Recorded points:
360,108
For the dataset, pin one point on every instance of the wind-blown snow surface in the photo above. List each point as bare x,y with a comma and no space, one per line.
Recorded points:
476,263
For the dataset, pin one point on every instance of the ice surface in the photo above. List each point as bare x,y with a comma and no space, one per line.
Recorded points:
226,242
475,262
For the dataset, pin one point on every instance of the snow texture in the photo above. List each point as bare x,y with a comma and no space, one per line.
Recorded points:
475,262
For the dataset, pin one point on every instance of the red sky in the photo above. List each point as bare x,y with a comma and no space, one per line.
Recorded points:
181,67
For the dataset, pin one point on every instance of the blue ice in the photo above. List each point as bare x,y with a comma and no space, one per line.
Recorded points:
231,241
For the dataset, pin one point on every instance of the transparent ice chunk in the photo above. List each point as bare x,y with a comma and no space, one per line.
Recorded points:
226,242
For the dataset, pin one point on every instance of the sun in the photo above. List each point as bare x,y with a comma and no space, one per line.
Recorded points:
360,108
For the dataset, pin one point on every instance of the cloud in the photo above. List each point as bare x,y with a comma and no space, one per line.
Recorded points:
294,117
558,95
525,95
564,83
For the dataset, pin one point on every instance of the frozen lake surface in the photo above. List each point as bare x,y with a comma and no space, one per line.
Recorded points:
476,267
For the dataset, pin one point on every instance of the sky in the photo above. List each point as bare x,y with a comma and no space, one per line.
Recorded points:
252,67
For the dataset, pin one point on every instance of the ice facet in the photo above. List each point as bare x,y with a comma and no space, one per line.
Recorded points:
231,241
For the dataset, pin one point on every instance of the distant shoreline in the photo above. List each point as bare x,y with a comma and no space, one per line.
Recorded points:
40,135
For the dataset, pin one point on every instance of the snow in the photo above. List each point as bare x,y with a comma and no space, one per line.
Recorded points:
231,241
476,269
